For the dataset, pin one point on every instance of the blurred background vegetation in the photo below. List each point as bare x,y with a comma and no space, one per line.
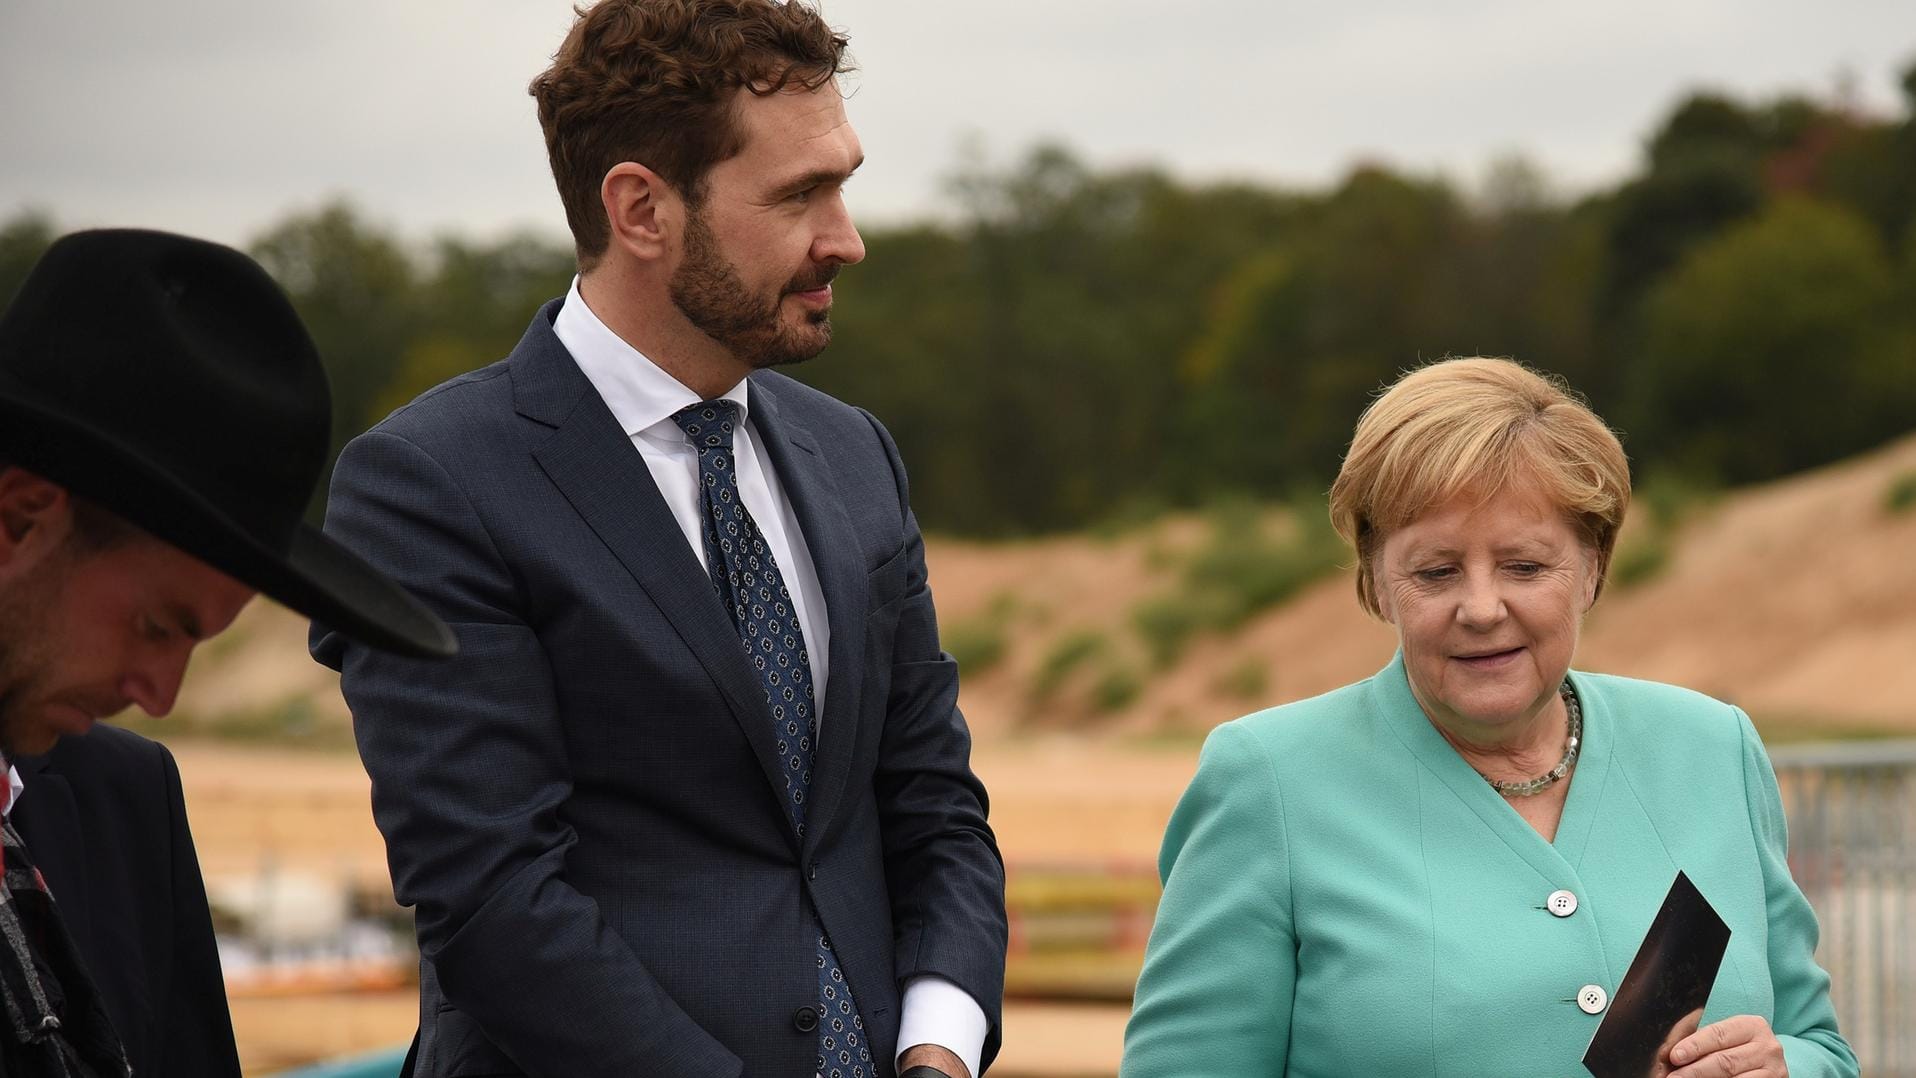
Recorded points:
1122,342
1077,355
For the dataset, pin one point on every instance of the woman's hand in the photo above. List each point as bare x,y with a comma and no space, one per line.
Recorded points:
1685,1026
1743,1045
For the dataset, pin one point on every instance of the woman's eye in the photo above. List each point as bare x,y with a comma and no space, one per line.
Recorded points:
1526,568
1440,573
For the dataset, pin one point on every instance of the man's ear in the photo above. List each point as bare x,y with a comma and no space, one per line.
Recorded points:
35,515
641,208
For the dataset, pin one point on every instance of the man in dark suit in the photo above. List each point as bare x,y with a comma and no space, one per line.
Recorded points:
163,421
696,799
105,821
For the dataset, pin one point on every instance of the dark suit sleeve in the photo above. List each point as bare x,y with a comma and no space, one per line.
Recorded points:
942,866
469,767
195,1024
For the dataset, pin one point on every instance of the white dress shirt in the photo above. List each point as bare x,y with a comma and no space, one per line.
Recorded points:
643,398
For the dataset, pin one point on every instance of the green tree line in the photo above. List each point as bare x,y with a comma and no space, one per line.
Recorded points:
1079,345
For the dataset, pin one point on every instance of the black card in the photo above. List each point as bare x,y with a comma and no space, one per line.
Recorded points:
1671,976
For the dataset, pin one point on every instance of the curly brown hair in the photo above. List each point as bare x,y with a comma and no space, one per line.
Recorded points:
653,81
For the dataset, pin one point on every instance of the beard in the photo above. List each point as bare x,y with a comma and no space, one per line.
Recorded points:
707,289
26,613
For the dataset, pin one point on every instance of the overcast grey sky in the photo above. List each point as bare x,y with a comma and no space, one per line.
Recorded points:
220,116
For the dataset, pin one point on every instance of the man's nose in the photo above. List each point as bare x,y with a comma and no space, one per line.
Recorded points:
839,240
155,683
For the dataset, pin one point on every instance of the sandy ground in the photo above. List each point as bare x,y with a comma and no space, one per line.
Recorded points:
254,808
1053,800
277,1034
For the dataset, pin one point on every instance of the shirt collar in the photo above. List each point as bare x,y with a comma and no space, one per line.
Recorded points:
638,391
14,786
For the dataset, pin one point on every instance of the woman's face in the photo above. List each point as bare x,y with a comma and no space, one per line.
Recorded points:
1487,597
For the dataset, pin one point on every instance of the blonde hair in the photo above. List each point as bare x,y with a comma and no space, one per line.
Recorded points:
1476,425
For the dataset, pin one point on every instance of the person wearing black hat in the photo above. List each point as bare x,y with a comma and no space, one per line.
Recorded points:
163,420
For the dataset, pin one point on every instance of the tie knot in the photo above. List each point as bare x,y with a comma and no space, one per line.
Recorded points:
709,424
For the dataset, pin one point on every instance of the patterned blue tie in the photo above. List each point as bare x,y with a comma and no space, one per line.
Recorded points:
751,586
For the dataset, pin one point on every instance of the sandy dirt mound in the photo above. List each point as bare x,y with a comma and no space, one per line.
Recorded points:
1796,600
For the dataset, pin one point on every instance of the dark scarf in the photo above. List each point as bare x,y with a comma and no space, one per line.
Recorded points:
54,1024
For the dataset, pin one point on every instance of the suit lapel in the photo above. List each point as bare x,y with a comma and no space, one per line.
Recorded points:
593,463
840,564
49,822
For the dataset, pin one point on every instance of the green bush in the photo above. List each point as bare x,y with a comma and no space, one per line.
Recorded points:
1117,688
1662,502
1068,653
1168,621
1257,570
979,642
1240,571
1248,680
1901,495
1669,497
1641,558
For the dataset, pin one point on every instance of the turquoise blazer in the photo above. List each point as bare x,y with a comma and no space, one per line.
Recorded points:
1343,895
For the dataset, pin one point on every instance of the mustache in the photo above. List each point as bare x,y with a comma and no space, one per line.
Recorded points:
97,705
815,280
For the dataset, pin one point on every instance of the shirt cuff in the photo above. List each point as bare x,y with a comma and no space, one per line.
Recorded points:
936,1011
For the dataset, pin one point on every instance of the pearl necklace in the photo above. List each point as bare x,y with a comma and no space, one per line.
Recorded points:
1554,775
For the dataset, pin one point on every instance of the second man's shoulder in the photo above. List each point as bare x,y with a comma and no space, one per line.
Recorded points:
476,399
537,380
820,412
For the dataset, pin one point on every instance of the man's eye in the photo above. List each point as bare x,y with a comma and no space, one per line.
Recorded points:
152,630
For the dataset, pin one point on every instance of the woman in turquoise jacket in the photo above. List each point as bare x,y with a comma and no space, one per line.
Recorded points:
1446,869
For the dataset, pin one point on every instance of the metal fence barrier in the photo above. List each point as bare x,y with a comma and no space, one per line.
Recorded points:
1852,820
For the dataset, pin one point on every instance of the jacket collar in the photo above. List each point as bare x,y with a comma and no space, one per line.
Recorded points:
1397,709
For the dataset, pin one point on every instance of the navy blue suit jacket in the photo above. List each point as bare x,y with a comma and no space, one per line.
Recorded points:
584,806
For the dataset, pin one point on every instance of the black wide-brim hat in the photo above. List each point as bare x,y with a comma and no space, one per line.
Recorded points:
169,380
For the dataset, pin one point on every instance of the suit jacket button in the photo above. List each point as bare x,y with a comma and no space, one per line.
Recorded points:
1561,903
812,874
1592,999
805,1019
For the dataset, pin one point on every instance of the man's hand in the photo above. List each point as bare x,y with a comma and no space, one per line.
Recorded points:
931,1055
1743,1045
